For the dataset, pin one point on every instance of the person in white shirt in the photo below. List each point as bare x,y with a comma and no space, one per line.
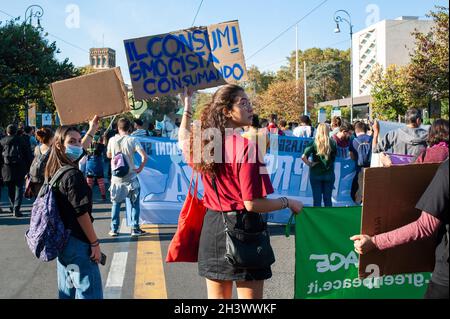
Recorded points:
127,186
305,129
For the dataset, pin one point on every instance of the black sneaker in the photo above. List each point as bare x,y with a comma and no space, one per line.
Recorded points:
18,214
137,232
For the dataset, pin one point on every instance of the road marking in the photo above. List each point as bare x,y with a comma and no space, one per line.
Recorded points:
117,270
150,282
124,229
116,275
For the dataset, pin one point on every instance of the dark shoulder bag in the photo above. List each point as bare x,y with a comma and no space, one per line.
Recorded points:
246,250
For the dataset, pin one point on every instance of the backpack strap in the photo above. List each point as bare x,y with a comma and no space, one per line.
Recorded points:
59,173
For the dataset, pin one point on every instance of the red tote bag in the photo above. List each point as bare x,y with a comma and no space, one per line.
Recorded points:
184,244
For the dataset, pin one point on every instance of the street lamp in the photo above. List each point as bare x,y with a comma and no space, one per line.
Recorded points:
33,11
30,14
338,19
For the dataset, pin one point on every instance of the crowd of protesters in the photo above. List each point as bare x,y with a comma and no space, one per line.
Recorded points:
29,158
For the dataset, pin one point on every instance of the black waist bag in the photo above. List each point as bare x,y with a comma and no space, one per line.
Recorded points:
244,249
248,250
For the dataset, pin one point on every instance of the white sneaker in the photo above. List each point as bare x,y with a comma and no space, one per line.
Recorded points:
113,233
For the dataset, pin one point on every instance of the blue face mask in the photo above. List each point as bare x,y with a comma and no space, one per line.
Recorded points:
74,152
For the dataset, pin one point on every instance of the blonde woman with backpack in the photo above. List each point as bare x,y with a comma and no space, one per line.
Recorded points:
322,152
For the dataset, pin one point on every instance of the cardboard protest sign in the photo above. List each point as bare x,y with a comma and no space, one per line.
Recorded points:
390,197
77,100
198,58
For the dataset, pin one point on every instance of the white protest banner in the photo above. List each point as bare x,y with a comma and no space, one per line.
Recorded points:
198,58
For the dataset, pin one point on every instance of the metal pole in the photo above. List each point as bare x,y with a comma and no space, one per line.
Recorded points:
297,88
351,72
306,88
338,19
296,54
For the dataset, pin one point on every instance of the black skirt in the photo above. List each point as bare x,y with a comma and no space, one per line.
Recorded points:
211,256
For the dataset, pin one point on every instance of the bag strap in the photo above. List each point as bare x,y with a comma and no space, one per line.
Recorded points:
214,184
195,185
289,225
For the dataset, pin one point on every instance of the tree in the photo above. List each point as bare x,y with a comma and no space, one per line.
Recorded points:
324,80
165,105
328,72
422,81
87,69
391,92
258,81
283,98
27,67
429,61
199,103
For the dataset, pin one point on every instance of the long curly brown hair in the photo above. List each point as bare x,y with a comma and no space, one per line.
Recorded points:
213,117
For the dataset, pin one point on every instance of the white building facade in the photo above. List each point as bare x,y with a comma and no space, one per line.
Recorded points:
385,43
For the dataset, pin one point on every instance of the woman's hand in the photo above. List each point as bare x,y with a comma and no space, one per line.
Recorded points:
295,206
186,98
385,160
376,127
363,244
94,123
96,254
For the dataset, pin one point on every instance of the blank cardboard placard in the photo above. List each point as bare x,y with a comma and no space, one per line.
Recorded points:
390,197
198,58
103,93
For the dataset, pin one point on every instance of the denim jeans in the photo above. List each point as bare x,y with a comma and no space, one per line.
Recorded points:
322,187
135,212
78,276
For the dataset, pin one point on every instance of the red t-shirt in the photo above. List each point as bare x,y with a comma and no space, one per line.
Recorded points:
243,177
435,154
273,129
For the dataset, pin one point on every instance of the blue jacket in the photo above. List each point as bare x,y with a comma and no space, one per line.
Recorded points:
94,166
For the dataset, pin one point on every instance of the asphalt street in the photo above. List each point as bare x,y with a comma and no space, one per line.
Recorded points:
135,268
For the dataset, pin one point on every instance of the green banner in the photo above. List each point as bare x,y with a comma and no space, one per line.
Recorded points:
327,266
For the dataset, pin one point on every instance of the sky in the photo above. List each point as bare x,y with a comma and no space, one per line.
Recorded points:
77,26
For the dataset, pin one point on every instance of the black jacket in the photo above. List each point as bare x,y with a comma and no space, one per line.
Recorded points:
15,172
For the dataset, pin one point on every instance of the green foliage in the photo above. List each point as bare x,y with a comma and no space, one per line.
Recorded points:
430,60
27,67
328,72
418,83
199,103
258,81
391,93
283,98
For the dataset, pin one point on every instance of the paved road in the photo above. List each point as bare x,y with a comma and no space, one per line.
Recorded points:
135,267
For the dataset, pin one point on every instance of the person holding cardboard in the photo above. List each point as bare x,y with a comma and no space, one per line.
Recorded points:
236,184
127,185
433,222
